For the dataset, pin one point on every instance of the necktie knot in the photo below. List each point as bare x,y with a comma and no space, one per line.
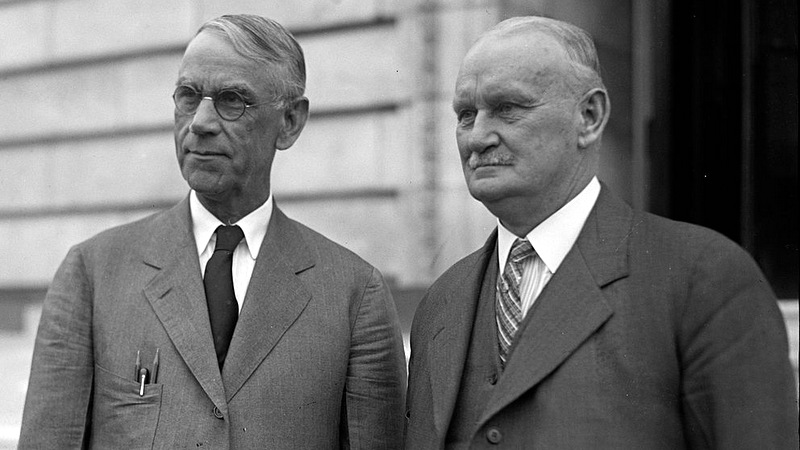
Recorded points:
520,250
228,237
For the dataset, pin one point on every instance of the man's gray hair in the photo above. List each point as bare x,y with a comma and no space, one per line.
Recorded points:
576,42
268,42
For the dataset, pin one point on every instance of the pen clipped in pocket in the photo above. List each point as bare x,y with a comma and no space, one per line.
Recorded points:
121,418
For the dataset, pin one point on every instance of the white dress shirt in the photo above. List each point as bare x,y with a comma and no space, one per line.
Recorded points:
254,227
552,239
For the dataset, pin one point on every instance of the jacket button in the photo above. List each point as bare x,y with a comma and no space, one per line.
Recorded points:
494,436
492,379
218,413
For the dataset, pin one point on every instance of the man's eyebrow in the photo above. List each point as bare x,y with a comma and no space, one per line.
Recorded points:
236,86
240,87
459,104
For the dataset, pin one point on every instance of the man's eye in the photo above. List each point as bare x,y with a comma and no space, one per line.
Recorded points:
186,92
229,98
466,117
505,108
187,99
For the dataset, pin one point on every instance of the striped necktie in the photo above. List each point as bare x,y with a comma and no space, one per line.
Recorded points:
508,305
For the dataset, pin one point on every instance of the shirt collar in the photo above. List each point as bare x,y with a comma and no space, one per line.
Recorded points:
554,237
253,225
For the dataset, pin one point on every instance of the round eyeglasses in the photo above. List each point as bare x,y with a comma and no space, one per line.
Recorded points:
229,104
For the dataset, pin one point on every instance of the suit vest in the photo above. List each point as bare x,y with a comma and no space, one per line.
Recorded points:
481,368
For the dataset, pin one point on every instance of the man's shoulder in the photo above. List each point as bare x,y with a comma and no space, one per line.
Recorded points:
682,237
463,267
664,245
653,230
464,272
127,234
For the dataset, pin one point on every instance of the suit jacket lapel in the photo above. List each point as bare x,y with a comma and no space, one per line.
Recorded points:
572,306
178,299
448,347
275,298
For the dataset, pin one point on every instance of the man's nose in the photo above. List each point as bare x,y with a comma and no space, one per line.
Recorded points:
483,135
205,120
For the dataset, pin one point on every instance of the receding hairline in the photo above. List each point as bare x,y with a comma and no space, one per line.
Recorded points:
266,42
576,43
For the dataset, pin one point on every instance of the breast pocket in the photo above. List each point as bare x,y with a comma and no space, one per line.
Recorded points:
120,417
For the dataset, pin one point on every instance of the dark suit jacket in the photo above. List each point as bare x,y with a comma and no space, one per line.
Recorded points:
652,334
316,360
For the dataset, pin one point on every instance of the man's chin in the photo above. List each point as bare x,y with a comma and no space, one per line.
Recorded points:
204,183
487,190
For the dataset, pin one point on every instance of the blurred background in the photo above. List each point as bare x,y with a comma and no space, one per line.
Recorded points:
703,129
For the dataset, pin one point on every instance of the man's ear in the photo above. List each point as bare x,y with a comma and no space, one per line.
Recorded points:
294,119
595,108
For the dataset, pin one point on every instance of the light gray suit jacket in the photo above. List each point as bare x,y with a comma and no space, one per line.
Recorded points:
316,360
652,334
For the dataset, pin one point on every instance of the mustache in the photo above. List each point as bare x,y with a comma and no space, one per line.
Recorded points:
493,159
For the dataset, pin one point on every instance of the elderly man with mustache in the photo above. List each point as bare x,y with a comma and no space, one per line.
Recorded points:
582,323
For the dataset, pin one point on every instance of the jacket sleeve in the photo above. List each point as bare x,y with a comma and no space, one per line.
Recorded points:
376,377
57,407
738,389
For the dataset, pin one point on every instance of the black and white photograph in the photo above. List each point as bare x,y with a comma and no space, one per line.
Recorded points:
412,224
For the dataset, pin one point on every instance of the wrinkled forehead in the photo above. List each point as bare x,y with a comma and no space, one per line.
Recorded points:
533,50
514,63
212,58
210,48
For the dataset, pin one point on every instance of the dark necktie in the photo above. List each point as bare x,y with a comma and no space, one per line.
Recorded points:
218,280
509,306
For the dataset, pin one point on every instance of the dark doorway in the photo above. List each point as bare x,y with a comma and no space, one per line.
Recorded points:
733,159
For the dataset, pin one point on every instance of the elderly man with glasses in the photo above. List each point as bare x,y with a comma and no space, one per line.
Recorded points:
220,323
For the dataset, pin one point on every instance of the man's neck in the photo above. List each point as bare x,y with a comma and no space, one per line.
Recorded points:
231,210
520,215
